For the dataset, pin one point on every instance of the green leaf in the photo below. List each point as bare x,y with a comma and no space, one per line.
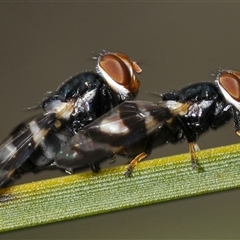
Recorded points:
85,194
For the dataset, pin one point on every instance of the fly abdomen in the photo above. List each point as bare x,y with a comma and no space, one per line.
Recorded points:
81,151
20,145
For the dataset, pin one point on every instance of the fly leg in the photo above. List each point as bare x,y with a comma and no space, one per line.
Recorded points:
95,167
236,119
142,155
193,148
133,163
112,159
191,137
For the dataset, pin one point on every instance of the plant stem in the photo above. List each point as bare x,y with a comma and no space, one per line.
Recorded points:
85,194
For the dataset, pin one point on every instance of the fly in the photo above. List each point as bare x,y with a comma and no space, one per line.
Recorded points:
212,105
76,103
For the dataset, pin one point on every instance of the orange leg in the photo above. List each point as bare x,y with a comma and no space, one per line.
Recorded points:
193,148
134,163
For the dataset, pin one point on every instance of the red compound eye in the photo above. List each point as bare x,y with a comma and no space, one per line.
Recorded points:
230,81
120,69
116,69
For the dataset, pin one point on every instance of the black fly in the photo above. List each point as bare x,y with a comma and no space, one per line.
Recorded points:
212,105
77,102
133,128
93,94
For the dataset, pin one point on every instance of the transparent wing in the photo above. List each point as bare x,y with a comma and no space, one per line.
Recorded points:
121,130
17,148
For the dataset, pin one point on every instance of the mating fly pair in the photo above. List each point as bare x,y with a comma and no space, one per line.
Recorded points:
80,100
133,128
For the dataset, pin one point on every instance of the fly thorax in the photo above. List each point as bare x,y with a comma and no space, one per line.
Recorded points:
197,108
83,104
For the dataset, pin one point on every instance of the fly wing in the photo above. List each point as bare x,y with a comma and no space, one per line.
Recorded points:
18,147
117,132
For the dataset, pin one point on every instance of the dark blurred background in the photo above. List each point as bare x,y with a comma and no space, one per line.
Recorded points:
42,44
